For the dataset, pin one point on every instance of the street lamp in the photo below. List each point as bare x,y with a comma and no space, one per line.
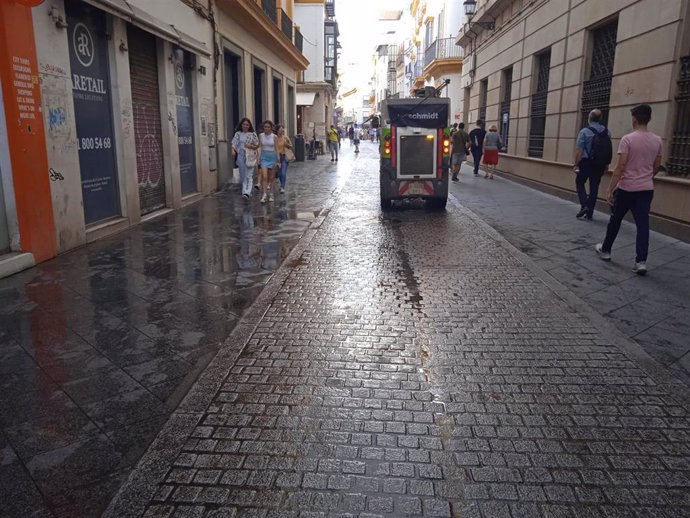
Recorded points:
470,10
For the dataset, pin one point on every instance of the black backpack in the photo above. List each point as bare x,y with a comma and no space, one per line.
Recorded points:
601,151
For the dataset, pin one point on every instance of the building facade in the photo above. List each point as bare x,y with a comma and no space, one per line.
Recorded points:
115,111
261,59
537,67
318,85
437,56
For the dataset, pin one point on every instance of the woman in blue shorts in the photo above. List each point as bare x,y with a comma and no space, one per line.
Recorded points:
269,160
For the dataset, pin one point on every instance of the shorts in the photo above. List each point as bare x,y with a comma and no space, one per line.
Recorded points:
268,160
457,159
333,145
490,157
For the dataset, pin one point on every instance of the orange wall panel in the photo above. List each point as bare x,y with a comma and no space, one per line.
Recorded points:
26,133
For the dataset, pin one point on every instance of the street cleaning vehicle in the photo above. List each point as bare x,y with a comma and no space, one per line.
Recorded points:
415,150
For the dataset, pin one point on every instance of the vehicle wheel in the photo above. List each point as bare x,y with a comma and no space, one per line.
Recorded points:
437,203
386,204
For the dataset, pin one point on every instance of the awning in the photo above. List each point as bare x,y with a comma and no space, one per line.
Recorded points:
305,98
144,20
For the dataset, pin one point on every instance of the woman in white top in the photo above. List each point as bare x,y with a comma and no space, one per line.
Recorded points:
269,160
245,145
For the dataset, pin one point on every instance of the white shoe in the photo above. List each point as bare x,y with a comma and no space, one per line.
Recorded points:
270,196
263,198
600,252
640,268
282,190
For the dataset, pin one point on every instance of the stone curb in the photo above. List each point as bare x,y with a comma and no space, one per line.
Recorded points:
141,484
631,349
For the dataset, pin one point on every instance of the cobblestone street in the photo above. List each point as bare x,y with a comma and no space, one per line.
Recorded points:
416,364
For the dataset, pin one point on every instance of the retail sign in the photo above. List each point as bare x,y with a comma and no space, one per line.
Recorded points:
185,120
93,111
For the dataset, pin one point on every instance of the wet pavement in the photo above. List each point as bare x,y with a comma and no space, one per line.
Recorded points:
98,346
650,310
417,364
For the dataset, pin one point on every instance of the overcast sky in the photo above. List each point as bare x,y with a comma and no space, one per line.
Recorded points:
360,33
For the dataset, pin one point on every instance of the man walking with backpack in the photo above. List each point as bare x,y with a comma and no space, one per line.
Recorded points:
592,157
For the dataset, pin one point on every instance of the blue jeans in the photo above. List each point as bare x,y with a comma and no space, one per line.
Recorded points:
588,171
639,203
281,173
246,173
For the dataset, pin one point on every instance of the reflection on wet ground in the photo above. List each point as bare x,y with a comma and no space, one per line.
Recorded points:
99,345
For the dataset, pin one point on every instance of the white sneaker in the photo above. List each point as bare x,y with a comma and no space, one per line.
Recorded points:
600,252
282,190
640,268
263,198
270,196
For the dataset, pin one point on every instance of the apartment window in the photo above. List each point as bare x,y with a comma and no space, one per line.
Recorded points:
596,89
483,88
506,87
330,56
679,157
538,107
429,36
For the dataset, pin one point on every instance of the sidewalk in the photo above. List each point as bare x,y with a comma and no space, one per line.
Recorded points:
416,364
651,310
98,346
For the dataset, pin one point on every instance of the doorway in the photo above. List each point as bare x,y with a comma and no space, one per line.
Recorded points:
278,101
259,96
232,91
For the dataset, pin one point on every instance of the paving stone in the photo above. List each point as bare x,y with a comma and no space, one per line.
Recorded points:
428,373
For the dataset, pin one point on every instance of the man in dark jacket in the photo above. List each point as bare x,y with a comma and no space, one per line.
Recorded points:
477,145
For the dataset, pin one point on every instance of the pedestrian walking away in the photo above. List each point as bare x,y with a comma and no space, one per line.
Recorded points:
477,145
460,142
286,154
358,135
244,147
333,140
593,154
632,186
492,144
269,160
351,135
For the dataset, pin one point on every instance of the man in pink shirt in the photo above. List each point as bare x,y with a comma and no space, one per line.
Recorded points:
632,186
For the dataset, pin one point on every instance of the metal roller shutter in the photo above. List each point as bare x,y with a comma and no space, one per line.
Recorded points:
143,65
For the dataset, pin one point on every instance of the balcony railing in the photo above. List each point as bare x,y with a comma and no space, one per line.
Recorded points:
330,8
418,70
269,7
444,48
299,41
286,24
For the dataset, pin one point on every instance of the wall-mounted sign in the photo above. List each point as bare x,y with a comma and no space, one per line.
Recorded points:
185,120
88,54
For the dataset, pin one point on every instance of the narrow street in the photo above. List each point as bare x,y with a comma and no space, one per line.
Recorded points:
98,346
416,364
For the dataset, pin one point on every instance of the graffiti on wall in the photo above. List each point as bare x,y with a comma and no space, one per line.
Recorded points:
56,92
150,166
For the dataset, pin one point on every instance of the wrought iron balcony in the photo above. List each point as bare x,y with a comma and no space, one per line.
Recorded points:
441,49
269,7
330,8
299,40
286,24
